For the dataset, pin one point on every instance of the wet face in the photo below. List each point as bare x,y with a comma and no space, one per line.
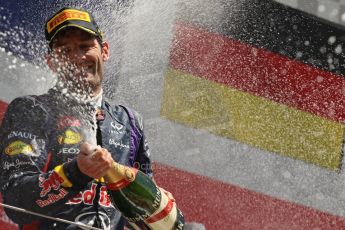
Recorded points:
78,58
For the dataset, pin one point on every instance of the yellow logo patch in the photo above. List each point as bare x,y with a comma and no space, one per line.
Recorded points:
18,147
70,137
66,15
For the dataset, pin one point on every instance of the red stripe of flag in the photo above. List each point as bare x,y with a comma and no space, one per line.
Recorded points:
223,206
258,71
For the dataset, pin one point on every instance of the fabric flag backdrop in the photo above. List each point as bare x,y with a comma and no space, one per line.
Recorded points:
252,92
270,80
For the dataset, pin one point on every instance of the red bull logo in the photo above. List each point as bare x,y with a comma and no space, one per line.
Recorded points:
54,182
89,195
52,198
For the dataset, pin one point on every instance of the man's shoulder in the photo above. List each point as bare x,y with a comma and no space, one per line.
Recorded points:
28,102
30,99
119,108
125,114
24,100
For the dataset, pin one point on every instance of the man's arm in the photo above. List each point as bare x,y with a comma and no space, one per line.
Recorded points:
143,156
143,160
24,155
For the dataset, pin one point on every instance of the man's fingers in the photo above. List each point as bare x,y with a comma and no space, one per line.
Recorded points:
94,161
98,149
99,154
86,148
90,150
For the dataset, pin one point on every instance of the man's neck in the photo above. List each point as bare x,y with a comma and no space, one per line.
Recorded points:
96,99
97,92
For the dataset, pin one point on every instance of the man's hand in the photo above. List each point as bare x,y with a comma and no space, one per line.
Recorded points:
94,161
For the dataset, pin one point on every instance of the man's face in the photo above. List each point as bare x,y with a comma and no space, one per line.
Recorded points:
77,57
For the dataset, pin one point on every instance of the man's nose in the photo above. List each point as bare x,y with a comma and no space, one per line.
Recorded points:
77,55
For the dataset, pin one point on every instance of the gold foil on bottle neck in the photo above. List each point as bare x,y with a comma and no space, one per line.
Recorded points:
119,172
130,176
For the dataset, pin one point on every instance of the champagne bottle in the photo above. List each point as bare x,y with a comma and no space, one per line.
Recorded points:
139,199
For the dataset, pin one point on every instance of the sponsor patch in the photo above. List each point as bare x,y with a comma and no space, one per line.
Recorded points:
73,151
18,147
90,219
21,134
88,196
70,137
118,144
67,15
16,164
116,127
52,198
54,182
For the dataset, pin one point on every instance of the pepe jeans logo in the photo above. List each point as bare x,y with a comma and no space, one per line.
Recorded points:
67,15
16,164
118,144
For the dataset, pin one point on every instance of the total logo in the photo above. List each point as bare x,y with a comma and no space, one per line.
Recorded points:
69,137
18,147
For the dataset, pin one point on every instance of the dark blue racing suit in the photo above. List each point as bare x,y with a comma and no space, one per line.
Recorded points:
40,138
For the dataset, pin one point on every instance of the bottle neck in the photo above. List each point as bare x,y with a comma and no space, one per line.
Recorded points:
119,176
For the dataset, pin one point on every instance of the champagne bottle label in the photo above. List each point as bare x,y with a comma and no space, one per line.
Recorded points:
167,215
179,224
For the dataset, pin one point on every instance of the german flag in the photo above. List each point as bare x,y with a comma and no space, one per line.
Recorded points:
264,74
257,72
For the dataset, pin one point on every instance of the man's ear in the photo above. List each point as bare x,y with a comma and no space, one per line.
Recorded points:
105,51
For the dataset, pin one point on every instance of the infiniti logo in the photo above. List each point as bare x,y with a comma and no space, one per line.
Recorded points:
117,127
89,218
